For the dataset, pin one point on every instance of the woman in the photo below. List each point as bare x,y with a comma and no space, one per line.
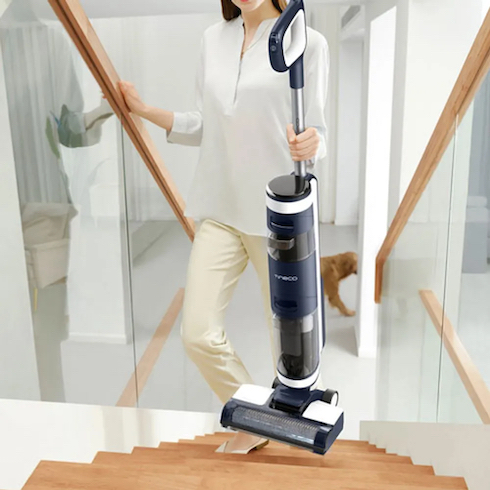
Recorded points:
242,126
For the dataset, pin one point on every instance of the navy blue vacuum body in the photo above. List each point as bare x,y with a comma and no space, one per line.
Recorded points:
295,284
292,411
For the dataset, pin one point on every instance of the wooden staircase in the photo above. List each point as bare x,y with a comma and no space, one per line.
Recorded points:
192,465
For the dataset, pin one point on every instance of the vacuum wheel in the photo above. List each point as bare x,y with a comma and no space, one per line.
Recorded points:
276,383
331,397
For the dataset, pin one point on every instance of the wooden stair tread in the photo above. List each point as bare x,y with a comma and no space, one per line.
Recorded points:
285,457
298,473
293,457
223,436
275,449
146,456
284,447
50,475
193,465
342,445
73,476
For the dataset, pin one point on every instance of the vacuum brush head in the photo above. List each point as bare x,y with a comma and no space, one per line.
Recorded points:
315,430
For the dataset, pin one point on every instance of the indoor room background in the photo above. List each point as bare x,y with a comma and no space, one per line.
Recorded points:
94,258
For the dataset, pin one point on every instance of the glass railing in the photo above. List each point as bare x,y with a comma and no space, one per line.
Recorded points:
159,248
138,48
409,348
465,374
93,258
434,337
67,334
166,377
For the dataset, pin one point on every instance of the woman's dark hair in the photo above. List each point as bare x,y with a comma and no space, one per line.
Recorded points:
231,11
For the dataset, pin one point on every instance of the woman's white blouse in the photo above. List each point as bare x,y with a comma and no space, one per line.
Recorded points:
243,108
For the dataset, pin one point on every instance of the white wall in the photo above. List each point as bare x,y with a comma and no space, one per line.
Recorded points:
484,8
380,52
349,132
326,20
401,47
18,367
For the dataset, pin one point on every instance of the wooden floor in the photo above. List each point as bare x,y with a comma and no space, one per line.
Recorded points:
192,465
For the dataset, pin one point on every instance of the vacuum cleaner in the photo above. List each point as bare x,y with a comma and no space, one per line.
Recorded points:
292,411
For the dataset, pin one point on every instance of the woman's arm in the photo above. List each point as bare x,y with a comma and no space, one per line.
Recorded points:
160,117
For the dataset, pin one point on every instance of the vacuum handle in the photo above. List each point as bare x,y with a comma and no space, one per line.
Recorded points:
292,19
299,125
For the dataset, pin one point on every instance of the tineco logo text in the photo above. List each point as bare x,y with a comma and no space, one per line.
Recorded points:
286,278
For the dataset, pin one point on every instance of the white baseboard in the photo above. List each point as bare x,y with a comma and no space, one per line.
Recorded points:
98,338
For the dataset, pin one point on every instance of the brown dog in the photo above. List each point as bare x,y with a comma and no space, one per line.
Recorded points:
334,269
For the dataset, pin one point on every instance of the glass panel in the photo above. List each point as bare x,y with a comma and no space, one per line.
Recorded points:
409,346
140,50
468,284
159,255
67,156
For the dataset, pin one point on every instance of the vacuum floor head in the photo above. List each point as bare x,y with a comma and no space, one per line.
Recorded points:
315,429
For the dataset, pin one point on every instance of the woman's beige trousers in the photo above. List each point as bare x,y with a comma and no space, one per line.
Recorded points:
219,256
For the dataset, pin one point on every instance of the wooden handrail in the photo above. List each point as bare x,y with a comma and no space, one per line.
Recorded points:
472,380
472,74
78,26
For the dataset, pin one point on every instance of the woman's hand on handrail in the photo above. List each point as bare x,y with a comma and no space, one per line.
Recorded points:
160,117
132,98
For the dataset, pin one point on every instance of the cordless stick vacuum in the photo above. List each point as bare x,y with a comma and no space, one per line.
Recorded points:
292,411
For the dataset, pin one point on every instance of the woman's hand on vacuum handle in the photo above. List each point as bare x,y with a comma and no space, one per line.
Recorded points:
304,146
160,117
